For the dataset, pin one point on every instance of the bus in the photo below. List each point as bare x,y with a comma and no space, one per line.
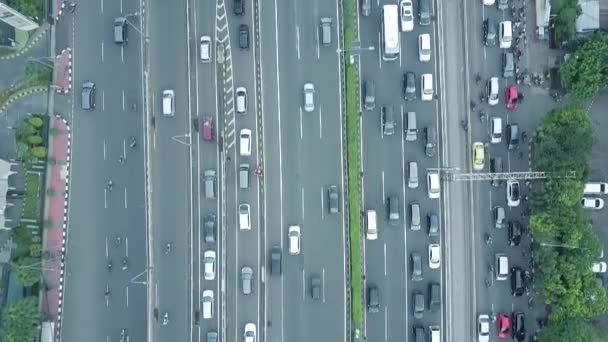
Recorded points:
390,32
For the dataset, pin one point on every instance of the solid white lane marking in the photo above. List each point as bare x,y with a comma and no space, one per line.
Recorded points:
386,323
303,286
102,51
302,203
298,40
322,204
123,100
323,285
104,149
383,193
301,128
103,100
105,198
127,295
125,197
320,123
101,6
385,260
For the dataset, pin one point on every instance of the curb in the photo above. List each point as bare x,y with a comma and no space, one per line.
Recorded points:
65,231
21,94
37,36
69,51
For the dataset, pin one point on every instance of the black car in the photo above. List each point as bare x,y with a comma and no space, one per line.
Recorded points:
244,37
430,148
409,86
517,282
496,166
434,297
373,298
275,260
514,233
209,227
512,137
315,287
239,7
519,329
489,32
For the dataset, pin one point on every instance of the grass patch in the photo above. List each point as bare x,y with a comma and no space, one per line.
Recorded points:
34,77
31,202
354,187
354,193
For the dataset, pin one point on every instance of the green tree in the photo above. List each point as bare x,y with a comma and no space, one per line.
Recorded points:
34,140
39,152
20,320
585,73
567,330
566,13
35,121
23,150
27,270
23,131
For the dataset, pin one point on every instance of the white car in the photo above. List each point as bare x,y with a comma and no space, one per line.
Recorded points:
205,49
599,267
241,100
488,3
294,240
493,91
426,87
434,256
209,262
505,34
168,102
309,97
245,142
407,15
432,184
592,203
424,47
250,332
513,195
483,328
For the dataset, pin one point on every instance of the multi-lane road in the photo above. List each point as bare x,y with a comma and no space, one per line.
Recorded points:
105,226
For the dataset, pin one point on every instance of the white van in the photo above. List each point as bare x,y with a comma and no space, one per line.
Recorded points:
371,222
596,188
426,87
492,91
169,102
505,34
424,47
434,333
496,130
244,217
207,304
502,266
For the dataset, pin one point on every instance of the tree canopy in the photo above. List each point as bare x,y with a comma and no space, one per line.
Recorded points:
566,12
20,320
585,73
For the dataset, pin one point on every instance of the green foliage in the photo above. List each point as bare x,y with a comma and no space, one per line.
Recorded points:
34,140
585,73
20,320
566,12
565,243
39,152
23,150
23,131
35,121
27,270
30,8
572,330
22,237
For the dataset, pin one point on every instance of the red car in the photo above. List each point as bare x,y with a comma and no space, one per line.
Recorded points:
207,129
512,97
504,325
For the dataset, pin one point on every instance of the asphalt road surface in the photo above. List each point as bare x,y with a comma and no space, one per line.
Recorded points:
302,159
385,173
171,220
97,216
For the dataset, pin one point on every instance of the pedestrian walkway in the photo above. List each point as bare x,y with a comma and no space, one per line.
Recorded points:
63,71
56,215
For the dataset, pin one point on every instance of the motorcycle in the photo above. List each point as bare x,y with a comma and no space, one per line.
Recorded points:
125,264
109,265
488,239
465,125
166,318
117,242
121,160
107,295
110,185
482,117
71,7
132,142
123,335
168,248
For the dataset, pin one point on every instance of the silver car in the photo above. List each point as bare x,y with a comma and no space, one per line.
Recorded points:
415,216
309,97
246,279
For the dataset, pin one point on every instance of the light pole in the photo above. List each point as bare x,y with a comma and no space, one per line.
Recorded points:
355,48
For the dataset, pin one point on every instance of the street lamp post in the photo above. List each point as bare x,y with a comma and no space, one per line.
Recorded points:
355,48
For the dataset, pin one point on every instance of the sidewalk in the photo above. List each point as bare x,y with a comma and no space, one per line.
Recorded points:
56,214
63,71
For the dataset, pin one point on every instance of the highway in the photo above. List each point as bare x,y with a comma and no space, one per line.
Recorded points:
97,216
302,159
171,220
385,161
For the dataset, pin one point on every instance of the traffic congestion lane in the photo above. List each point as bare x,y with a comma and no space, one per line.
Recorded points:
393,177
205,108
171,220
99,142
244,308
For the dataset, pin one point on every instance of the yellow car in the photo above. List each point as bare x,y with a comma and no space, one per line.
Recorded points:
478,156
